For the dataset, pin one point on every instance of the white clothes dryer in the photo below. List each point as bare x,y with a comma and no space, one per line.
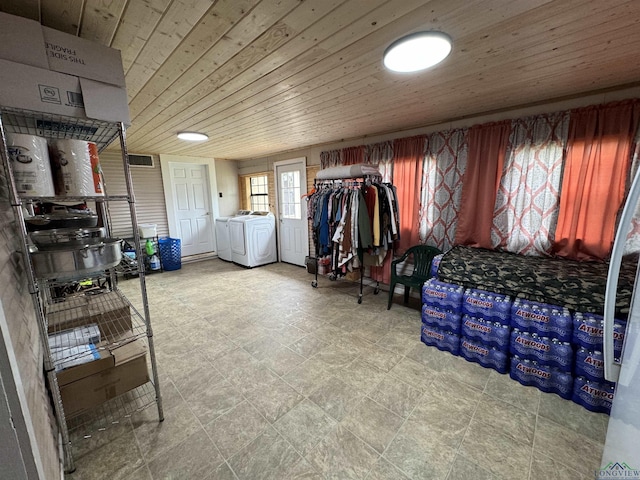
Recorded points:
253,239
223,238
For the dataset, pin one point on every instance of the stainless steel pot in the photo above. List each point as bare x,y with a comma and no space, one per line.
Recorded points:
68,263
67,237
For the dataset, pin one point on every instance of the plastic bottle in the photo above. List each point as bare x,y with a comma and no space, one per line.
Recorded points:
149,247
154,262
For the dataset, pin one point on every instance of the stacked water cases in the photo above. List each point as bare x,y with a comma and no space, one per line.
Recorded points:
590,389
542,354
441,307
485,328
435,264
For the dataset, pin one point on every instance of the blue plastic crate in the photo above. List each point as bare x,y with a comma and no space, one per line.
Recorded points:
170,253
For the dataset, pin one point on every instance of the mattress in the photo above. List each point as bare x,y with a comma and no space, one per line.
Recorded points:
576,285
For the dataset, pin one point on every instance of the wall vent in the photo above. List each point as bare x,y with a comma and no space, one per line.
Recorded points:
141,160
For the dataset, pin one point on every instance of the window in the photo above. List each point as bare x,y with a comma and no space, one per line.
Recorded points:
259,193
290,195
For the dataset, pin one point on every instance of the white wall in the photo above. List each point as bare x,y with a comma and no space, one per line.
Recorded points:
313,152
228,192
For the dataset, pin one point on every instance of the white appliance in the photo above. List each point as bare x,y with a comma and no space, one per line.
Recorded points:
253,239
621,454
223,239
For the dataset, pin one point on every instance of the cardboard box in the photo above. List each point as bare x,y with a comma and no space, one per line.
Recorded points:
107,310
50,71
86,386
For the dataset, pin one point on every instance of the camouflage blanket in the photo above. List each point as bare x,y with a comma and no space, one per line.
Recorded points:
578,286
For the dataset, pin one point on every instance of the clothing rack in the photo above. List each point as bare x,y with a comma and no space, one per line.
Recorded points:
350,177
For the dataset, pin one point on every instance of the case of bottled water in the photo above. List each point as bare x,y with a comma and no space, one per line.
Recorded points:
547,379
544,350
588,331
435,263
442,340
543,319
589,364
594,396
484,355
447,321
446,297
492,334
492,307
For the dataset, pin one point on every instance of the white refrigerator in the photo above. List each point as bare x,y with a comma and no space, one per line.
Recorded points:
621,456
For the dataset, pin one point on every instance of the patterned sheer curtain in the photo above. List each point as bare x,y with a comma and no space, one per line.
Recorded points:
528,198
381,154
443,168
353,155
632,244
330,158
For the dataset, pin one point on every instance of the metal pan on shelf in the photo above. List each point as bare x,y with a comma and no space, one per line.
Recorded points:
60,220
65,237
72,263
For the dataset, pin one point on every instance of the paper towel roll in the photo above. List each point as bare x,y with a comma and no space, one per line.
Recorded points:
74,163
30,163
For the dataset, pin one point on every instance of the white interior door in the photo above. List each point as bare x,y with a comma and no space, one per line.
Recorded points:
191,203
291,184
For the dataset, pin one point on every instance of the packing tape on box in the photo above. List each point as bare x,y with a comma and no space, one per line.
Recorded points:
31,166
77,168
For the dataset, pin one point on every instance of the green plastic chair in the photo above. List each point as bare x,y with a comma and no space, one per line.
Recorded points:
422,258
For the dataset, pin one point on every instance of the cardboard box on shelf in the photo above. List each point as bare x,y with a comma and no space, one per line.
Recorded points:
108,311
45,70
117,371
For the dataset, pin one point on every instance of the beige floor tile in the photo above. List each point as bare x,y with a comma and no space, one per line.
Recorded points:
373,423
434,419
308,346
236,428
274,399
287,334
421,458
567,447
341,455
413,373
380,357
140,474
463,469
512,421
361,375
192,459
467,372
260,348
574,416
304,426
212,400
503,387
249,378
544,468
335,358
399,342
269,456
383,470
457,397
336,397
282,360
396,395
429,356
307,376
496,452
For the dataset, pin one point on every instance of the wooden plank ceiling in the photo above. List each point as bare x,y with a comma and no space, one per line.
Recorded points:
265,76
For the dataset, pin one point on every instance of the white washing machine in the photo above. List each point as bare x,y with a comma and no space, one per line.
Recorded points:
253,239
223,239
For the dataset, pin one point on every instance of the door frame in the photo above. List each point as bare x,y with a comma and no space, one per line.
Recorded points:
210,167
303,188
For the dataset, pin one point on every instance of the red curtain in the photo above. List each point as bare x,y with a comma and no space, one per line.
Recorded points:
599,151
487,149
408,154
353,155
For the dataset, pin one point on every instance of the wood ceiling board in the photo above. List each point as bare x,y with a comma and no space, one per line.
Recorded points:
139,20
63,15
176,23
100,19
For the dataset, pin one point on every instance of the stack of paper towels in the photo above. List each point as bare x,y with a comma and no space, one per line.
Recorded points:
51,167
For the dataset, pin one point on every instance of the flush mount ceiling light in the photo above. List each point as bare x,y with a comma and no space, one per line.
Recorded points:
193,136
417,51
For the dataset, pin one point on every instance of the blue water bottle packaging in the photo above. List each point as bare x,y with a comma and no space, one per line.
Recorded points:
444,296
493,334
589,364
484,355
435,263
594,396
446,341
545,378
543,319
489,306
436,317
544,350
588,332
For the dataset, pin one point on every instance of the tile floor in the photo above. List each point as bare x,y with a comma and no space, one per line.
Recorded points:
264,377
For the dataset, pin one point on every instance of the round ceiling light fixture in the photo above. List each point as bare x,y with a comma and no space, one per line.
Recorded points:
193,136
417,51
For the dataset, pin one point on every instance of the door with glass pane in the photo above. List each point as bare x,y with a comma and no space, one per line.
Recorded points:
291,184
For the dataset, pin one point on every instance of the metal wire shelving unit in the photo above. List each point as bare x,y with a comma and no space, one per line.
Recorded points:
103,298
